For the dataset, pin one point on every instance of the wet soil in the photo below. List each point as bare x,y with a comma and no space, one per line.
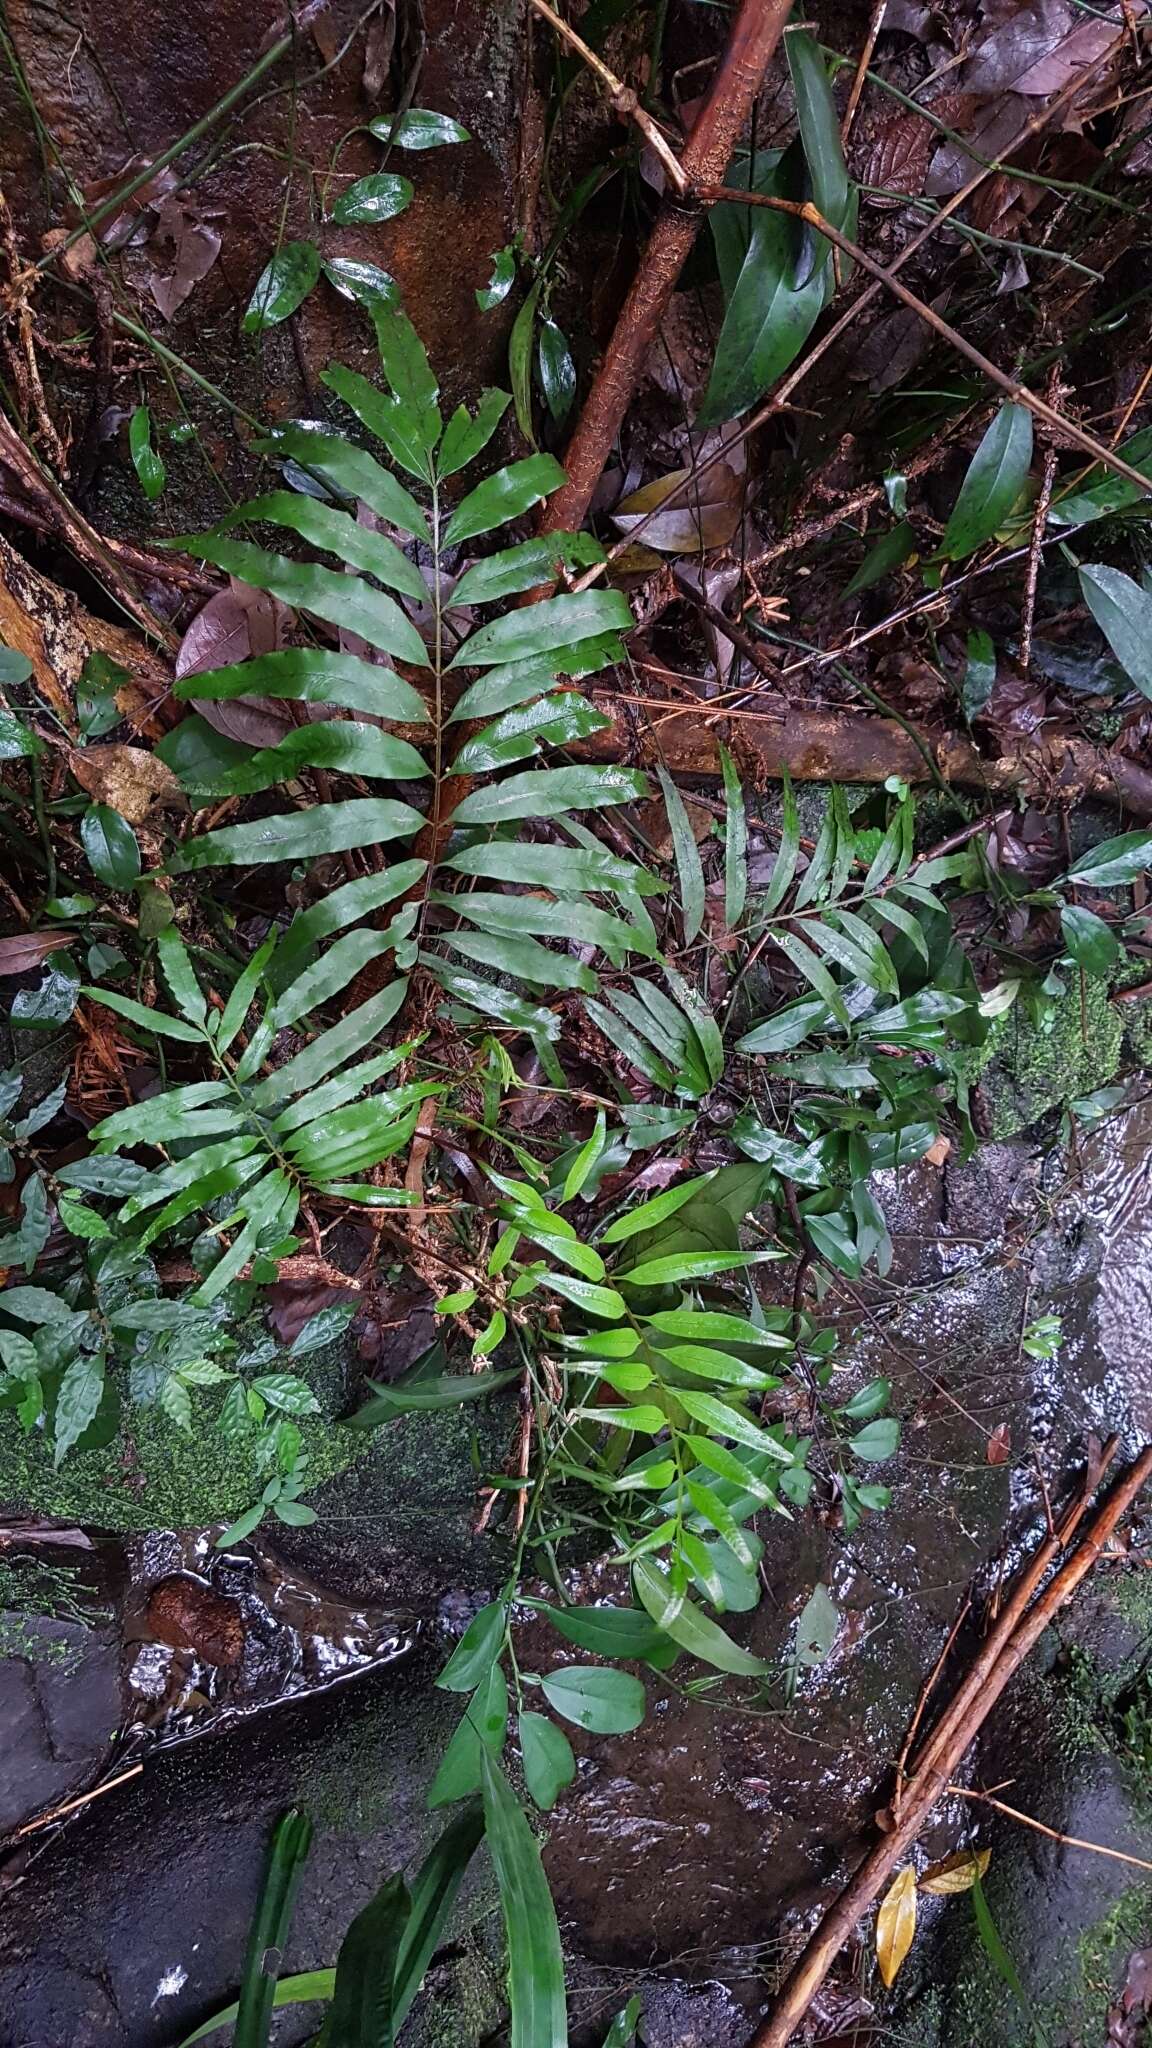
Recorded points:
686,1857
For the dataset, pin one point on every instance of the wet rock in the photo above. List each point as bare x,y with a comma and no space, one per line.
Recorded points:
680,2015
59,1710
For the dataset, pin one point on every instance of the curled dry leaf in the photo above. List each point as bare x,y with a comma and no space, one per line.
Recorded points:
694,512
22,951
998,1449
131,781
896,1923
236,623
955,1873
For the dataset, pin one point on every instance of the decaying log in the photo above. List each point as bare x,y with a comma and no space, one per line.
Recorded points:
848,746
57,634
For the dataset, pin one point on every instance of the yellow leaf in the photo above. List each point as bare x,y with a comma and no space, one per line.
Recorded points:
896,1924
956,1873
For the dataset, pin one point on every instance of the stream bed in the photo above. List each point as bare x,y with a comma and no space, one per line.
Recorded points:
688,1857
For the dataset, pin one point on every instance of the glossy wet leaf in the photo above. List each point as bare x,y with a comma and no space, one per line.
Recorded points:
270,1928
546,1757
536,1995
556,622
556,370
687,855
147,463
1093,944
282,285
676,1616
467,434
311,675
735,842
767,320
365,282
300,835
110,845
602,1702
994,481
549,793
523,567
433,1894
419,128
500,282
1122,609
1114,862
819,123
626,1632
379,197
327,527
343,600
484,1726
477,1650
363,2009
878,1441
896,1924
350,471
505,495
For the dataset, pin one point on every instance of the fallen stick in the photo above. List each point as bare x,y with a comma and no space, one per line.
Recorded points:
847,746
1029,1820
933,1779
704,159
47,1820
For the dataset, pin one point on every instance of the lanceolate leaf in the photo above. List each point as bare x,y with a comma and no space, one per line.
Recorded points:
735,843
504,496
297,835
535,1958
538,628
767,320
311,675
353,473
342,536
688,868
363,2011
993,483
524,566
344,600
1123,611
549,793
687,1625
819,122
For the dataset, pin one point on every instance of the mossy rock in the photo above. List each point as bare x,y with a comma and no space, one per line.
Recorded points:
1025,1068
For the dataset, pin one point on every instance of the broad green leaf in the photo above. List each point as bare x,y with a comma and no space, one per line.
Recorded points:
705,1325
418,128
145,1020
587,1295
767,320
337,967
695,1631
1092,943
687,1268
586,1158
505,495
300,835
379,197
345,601
604,1702
688,867
346,905
994,481
515,682
321,1059
282,285
538,628
622,2032
525,958
724,1367
484,1726
563,920
891,551
979,673
556,370
522,567
327,527
477,1651
546,1757
365,282
535,1957
728,1420
311,675
110,845
352,472
1122,609
405,1397
518,734
814,971
735,842
548,793
404,360
363,2010
877,1441
465,436
559,868
403,430
819,122
503,277
149,466
607,1631
1114,862
789,1027
242,995
653,1211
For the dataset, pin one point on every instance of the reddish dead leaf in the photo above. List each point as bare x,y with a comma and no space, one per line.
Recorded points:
998,1449
938,1152
187,1615
23,951
236,623
183,248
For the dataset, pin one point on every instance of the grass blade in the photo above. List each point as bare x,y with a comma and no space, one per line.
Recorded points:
269,1932
688,868
535,1958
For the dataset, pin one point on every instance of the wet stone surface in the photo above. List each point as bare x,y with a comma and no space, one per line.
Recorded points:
688,1856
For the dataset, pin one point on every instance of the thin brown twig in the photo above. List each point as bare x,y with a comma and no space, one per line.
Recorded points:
1053,1834
624,100
922,1699
1035,549
46,1820
865,59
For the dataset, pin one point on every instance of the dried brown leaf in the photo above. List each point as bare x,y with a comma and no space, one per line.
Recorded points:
183,247
236,623
896,1924
132,781
693,512
955,1873
22,951
998,1449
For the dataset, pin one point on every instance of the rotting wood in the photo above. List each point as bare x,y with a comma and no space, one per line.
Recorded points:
57,634
704,159
847,746
1010,1642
